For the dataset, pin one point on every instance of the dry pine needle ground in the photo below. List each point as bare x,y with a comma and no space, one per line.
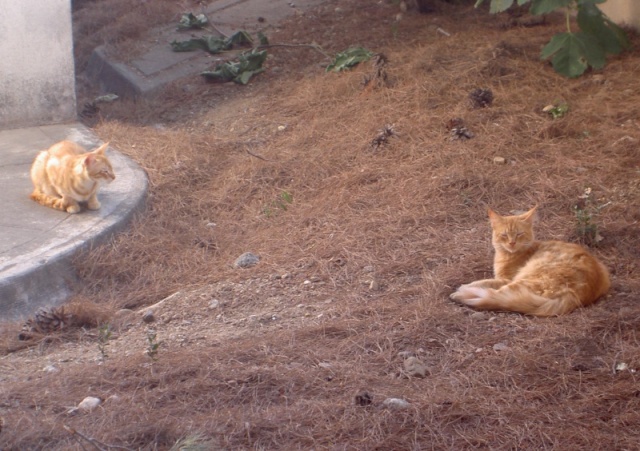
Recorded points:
360,246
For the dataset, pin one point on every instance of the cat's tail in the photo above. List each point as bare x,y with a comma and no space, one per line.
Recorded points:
48,201
518,298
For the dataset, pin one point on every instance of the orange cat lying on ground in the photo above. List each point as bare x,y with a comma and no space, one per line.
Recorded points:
541,278
66,174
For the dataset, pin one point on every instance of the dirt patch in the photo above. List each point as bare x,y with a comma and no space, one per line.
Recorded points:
359,248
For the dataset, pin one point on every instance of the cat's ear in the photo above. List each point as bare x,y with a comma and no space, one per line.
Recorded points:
494,217
100,150
89,159
530,216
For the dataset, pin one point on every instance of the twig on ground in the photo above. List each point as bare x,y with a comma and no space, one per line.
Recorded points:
95,443
313,46
255,155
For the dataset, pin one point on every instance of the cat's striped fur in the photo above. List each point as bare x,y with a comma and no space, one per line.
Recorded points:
66,175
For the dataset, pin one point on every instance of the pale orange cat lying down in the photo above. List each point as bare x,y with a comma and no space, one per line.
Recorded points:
542,278
66,174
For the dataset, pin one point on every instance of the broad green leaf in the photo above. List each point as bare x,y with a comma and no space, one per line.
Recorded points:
572,53
589,2
522,2
349,58
546,6
262,38
497,6
239,37
188,46
592,21
239,71
191,21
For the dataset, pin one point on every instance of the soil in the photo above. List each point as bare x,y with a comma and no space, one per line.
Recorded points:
367,210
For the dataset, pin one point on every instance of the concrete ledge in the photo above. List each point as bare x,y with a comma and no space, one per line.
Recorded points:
37,244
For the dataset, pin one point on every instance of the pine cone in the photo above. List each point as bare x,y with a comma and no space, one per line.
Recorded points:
457,129
47,320
382,137
481,98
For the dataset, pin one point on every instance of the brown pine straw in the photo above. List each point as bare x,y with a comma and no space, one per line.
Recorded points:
358,266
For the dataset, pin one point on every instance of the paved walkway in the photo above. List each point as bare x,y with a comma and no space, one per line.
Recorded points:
36,242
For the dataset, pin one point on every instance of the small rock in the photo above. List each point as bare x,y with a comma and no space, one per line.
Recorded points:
368,269
214,304
548,108
325,365
246,260
51,369
405,354
414,367
500,347
622,366
374,285
396,403
282,128
499,160
479,316
89,403
148,317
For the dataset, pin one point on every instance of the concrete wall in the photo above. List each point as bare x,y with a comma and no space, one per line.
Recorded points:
623,11
37,84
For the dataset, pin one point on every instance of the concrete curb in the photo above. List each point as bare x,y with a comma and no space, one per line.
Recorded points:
36,268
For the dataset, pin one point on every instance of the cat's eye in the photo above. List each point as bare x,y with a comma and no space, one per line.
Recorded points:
519,234
503,235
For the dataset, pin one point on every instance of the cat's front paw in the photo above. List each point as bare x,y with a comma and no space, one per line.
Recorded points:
93,205
73,209
469,295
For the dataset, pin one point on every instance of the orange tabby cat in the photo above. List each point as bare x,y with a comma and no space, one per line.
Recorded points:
541,278
66,174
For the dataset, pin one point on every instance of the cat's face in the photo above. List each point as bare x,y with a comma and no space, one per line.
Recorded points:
99,168
512,233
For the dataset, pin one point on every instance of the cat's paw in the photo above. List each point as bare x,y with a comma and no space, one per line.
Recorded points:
469,295
73,209
95,205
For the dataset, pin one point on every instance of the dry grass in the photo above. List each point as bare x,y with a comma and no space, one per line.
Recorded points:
277,364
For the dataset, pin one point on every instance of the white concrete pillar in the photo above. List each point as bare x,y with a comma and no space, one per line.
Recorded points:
37,83
625,12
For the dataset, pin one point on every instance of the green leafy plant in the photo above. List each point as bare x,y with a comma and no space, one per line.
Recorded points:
586,211
152,345
281,204
349,58
572,52
239,70
212,44
104,334
557,111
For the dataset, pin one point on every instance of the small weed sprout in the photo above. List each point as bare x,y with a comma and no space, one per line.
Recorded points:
153,345
557,111
281,203
586,211
104,334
